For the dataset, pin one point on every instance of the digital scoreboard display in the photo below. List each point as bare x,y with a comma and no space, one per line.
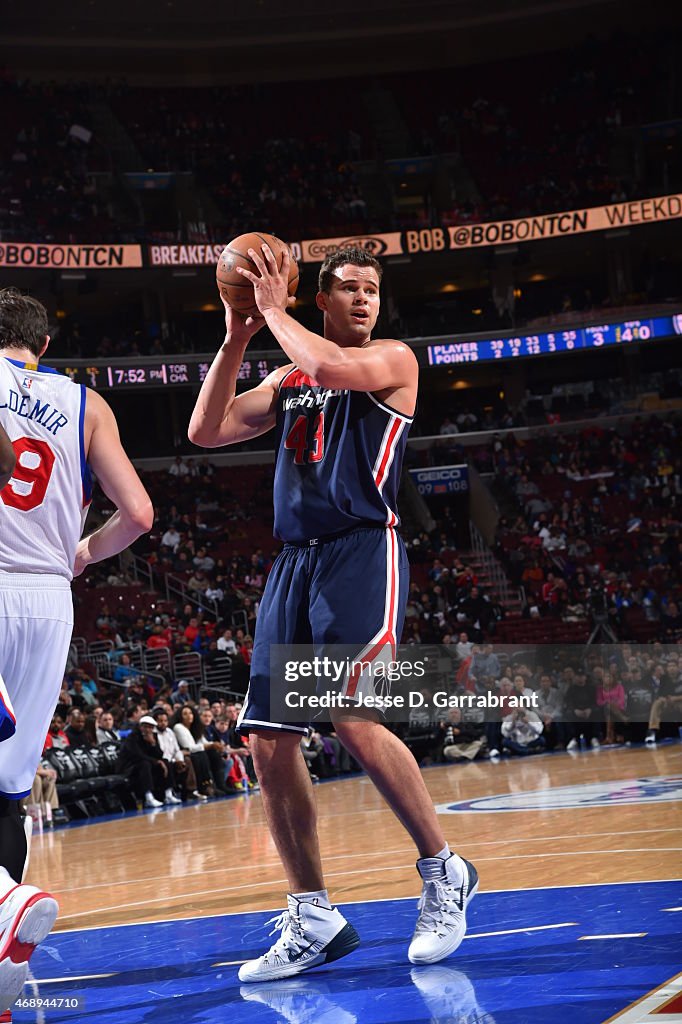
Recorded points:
597,336
102,375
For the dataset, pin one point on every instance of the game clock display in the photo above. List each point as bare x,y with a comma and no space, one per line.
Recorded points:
104,375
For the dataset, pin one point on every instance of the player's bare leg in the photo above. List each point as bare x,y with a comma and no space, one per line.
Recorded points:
395,773
312,932
449,881
290,808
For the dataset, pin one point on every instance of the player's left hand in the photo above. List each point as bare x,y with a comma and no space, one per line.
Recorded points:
271,289
82,557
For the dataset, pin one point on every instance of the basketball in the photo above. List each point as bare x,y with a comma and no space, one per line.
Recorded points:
236,290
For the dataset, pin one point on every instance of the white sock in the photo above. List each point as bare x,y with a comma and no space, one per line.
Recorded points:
321,898
444,853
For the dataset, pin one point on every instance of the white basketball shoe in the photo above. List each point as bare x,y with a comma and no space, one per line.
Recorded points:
449,886
26,917
310,936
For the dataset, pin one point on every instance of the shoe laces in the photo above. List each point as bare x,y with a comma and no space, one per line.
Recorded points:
292,937
437,906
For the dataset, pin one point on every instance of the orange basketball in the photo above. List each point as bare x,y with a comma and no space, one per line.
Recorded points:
235,289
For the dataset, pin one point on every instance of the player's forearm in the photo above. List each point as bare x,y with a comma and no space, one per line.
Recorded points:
7,459
309,351
117,534
217,395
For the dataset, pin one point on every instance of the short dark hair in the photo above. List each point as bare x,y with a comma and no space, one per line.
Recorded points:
23,321
355,256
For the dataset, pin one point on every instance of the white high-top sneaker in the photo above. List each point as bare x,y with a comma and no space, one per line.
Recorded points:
310,936
449,886
26,917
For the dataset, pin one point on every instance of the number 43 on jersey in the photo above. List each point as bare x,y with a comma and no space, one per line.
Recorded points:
297,440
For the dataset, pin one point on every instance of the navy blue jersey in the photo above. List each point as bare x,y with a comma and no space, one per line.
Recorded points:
339,457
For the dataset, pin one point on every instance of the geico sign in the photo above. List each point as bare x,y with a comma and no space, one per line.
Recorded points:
442,474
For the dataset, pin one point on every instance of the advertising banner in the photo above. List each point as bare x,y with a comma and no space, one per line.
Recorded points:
441,480
572,222
317,250
69,257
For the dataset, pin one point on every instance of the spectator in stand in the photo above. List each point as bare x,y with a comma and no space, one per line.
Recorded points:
668,704
56,736
522,732
462,741
75,730
494,716
170,539
464,646
226,643
581,711
181,694
82,698
206,758
203,561
178,467
549,707
485,663
141,760
182,766
611,698
448,427
312,749
106,733
238,743
65,700
134,713
44,795
161,635
125,671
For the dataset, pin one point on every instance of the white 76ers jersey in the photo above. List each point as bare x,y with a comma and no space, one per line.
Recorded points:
43,507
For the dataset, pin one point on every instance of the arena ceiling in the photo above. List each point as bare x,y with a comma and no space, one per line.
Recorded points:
201,40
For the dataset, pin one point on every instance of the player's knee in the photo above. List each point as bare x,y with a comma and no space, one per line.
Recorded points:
271,751
354,732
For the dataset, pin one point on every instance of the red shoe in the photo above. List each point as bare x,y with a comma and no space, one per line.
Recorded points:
26,918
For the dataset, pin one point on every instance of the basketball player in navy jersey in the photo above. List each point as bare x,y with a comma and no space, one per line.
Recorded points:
342,409
58,431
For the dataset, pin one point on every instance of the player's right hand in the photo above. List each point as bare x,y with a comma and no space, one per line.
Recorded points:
238,327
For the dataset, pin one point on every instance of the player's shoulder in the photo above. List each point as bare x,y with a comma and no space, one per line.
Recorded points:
394,346
276,377
96,407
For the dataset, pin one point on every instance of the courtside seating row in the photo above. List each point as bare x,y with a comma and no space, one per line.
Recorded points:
88,783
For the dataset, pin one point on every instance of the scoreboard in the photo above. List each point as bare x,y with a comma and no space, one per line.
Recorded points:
598,336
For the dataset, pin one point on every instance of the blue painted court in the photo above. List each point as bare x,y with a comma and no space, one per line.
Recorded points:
580,954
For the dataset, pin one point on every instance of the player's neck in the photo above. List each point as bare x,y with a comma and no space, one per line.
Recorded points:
342,342
20,355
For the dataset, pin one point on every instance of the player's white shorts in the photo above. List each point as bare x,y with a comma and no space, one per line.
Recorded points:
36,623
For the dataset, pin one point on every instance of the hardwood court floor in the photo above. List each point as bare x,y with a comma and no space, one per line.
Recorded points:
194,861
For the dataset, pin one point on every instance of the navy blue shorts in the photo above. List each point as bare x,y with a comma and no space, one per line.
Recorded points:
349,590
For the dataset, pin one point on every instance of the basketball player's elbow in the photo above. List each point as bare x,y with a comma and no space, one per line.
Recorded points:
330,371
203,435
140,517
